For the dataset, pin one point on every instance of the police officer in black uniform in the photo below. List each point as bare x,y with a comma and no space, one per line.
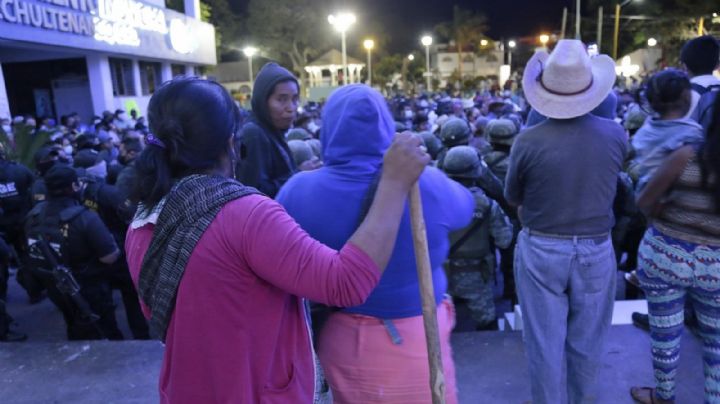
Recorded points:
116,212
85,245
15,202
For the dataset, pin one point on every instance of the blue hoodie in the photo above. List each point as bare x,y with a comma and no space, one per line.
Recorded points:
357,130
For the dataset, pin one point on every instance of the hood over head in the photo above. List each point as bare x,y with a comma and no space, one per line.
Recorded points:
357,128
267,78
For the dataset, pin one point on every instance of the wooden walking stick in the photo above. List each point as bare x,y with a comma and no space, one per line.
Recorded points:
427,295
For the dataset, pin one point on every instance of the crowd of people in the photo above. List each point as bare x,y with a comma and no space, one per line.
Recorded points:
551,185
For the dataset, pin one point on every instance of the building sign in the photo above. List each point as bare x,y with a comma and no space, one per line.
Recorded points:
123,23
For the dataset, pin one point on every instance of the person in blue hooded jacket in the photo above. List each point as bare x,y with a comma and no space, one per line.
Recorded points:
376,351
265,160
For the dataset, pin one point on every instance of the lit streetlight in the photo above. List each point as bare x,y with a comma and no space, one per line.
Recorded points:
652,42
342,23
249,52
369,44
483,42
411,57
544,39
427,41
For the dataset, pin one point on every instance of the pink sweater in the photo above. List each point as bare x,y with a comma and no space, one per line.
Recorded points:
239,332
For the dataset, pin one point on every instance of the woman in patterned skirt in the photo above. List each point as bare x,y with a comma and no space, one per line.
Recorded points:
680,259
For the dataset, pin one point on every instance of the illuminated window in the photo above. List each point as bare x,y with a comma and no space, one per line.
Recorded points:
122,77
150,77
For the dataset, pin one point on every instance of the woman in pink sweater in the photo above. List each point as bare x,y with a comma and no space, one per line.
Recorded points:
223,271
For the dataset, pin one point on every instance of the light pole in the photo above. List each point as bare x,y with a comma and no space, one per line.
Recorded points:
652,42
511,45
427,41
342,23
249,52
618,6
369,44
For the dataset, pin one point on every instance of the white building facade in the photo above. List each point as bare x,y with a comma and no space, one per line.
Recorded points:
89,56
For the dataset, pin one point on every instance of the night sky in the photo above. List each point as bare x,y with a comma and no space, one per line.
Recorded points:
405,20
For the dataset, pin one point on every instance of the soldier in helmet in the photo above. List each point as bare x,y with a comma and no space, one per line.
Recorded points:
432,143
454,132
471,260
501,133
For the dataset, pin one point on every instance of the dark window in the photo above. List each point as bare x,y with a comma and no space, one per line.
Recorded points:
150,77
122,77
177,70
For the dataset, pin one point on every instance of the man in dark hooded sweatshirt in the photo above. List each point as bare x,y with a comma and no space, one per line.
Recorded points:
265,159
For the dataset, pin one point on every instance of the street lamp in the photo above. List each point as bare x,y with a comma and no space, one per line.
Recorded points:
544,39
249,52
652,42
342,23
369,44
511,45
483,42
618,6
411,57
427,41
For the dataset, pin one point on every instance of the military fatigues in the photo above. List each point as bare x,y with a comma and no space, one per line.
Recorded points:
471,262
472,265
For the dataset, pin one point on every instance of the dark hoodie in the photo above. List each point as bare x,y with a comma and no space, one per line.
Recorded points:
265,159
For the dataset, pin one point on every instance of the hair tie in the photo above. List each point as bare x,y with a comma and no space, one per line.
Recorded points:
151,139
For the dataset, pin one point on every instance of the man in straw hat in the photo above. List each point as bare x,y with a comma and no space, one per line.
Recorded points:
563,174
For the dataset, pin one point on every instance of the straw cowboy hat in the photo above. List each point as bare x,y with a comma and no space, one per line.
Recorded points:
567,83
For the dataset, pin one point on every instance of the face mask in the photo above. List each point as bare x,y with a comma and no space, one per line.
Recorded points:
408,114
68,150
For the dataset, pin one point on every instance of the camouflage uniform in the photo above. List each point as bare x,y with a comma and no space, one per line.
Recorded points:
471,265
500,132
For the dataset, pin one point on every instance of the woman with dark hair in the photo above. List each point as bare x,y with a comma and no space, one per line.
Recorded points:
680,259
223,270
670,96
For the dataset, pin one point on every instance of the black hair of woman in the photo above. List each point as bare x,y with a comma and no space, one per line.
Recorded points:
195,121
710,154
669,91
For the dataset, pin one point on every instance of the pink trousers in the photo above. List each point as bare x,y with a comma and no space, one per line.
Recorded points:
363,365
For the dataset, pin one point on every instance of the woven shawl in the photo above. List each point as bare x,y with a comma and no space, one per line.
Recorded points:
188,210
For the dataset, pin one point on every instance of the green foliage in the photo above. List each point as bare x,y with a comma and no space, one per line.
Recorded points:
386,68
671,22
294,31
466,29
26,144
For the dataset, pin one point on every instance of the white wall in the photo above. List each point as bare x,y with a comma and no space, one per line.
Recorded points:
4,103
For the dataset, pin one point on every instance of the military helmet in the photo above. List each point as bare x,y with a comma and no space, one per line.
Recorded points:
316,147
501,131
634,118
298,134
301,151
432,144
463,162
455,132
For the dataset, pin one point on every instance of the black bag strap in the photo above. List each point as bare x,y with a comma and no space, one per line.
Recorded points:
465,237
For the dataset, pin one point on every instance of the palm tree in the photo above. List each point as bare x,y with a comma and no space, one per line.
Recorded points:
466,29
